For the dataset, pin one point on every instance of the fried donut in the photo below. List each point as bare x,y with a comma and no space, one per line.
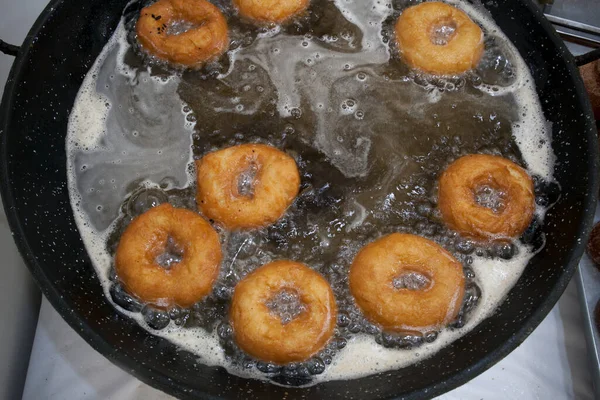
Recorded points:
486,197
262,333
163,229
270,11
439,39
407,283
206,39
246,186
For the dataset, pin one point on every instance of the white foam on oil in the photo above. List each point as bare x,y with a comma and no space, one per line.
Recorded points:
88,131
133,128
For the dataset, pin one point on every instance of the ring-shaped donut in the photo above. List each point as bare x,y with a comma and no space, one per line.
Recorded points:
206,39
270,11
269,176
262,334
146,238
439,39
457,199
404,309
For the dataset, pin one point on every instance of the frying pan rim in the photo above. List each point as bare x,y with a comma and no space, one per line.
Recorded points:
156,379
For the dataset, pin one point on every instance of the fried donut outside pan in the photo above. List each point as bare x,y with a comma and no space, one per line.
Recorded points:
432,304
464,180
262,334
147,237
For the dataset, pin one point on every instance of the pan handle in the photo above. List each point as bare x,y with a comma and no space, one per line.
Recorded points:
575,37
9,49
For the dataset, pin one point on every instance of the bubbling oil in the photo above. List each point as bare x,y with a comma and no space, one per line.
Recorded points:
370,138
489,197
286,305
411,281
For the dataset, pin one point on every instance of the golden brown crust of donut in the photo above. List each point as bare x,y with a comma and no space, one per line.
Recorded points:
276,185
261,334
462,213
400,310
413,34
145,239
193,48
270,11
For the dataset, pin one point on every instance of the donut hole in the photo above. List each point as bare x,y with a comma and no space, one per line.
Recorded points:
442,31
490,196
286,305
412,280
246,180
179,26
171,255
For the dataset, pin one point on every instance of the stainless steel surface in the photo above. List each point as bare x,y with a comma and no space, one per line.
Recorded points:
588,35
577,38
569,23
588,282
585,283
577,21
582,11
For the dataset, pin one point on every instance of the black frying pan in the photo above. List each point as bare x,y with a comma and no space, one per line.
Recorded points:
44,81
